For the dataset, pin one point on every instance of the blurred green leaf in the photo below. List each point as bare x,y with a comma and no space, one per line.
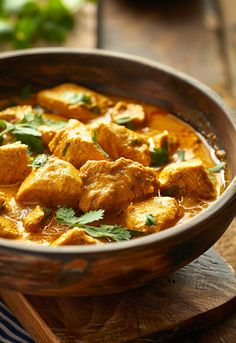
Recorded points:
22,22
6,29
25,31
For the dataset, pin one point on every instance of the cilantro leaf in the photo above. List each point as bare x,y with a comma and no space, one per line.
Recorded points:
30,137
94,139
66,215
36,120
171,191
65,149
26,92
39,161
77,98
26,130
217,168
159,156
181,155
114,232
126,121
91,217
150,219
26,135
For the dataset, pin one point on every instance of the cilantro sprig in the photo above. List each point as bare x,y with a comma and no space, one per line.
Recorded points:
159,156
67,216
26,131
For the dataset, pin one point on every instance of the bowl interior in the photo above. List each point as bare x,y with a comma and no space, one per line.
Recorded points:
121,75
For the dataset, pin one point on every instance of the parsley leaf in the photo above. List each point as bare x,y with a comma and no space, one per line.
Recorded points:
159,156
39,161
150,219
217,168
181,155
94,139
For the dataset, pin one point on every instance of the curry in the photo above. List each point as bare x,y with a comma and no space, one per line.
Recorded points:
78,167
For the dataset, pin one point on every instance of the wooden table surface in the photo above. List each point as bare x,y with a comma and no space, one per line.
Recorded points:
197,37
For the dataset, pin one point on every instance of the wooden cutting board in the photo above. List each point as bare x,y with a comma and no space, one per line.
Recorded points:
202,293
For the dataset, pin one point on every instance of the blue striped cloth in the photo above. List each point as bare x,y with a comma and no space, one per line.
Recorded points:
11,330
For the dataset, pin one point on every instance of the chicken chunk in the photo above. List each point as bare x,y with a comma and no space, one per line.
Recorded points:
33,219
14,162
113,185
152,215
124,113
8,228
56,183
74,101
16,113
74,144
47,133
118,141
75,236
188,178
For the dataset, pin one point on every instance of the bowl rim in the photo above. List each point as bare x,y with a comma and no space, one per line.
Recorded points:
158,237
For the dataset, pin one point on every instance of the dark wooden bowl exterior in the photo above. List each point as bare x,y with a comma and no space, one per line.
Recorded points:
93,270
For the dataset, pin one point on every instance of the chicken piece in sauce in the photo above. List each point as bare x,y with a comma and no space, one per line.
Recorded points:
118,141
8,228
152,215
74,101
47,133
33,219
14,163
129,113
75,236
113,185
74,144
55,183
188,178
15,113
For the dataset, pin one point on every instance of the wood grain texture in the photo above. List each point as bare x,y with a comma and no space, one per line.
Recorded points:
194,297
182,34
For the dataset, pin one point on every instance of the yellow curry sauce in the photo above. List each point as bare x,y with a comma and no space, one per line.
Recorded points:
150,169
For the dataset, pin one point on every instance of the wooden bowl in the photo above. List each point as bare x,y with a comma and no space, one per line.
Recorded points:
93,270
